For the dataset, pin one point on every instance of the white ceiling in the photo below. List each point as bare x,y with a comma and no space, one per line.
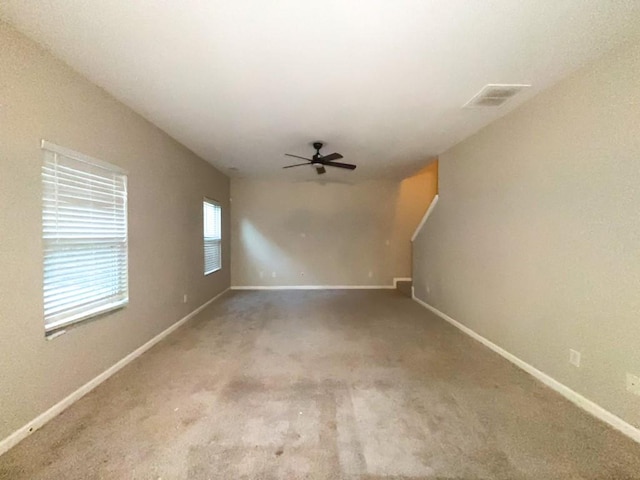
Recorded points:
240,82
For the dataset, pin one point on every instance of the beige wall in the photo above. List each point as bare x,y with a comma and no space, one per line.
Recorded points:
42,98
535,241
312,233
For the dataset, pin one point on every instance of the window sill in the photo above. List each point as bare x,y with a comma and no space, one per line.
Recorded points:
58,328
212,271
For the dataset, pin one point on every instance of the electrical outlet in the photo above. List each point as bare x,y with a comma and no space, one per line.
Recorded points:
185,297
574,358
370,274
273,274
633,383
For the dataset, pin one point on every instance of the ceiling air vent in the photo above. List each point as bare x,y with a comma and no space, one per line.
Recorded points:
494,95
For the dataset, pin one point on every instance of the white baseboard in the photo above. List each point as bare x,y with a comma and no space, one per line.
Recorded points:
571,395
52,412
314,287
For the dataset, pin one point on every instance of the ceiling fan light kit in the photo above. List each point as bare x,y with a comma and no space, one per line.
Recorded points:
319,161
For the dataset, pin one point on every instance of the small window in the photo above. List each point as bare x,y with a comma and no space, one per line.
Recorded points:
212,223
84,220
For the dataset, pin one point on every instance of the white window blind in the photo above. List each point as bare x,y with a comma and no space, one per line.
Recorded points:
84,219
212,236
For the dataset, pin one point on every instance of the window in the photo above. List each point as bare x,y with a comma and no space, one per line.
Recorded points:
84,225
212,223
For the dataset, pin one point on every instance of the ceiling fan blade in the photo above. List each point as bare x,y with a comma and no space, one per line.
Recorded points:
331,157
341,165
296,165
320,170
296,156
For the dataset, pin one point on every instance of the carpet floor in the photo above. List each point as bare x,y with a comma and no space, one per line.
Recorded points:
363,385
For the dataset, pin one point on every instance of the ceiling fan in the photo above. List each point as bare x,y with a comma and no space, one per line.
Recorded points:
319,161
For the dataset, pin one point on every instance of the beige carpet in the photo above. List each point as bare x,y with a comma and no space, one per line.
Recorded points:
322,385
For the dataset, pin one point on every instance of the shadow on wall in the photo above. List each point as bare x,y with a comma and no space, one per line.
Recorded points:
309,234
264,253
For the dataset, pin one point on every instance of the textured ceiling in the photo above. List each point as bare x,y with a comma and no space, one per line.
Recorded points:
380,81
